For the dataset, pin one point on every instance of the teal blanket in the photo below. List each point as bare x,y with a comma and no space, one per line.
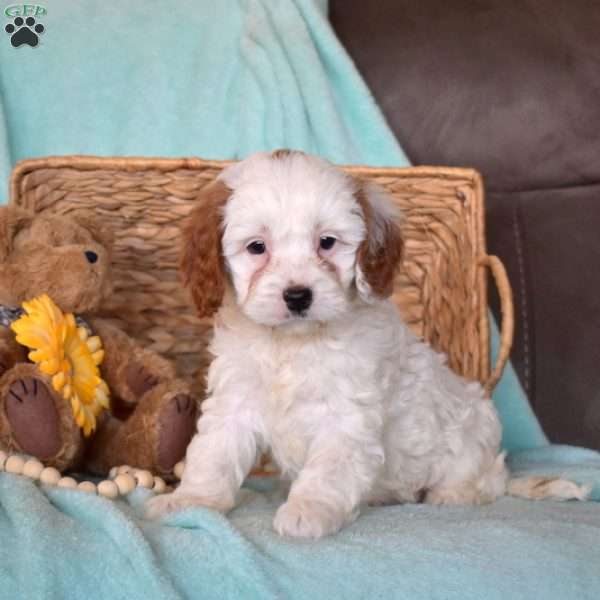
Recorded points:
216,79
65,544
220,80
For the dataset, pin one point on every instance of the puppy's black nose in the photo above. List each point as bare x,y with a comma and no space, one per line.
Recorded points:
297,298
92,257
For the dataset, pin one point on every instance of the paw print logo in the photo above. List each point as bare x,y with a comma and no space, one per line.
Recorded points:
24,32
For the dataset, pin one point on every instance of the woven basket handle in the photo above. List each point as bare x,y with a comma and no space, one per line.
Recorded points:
494,264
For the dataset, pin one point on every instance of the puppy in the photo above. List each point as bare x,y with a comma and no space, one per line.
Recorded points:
313,362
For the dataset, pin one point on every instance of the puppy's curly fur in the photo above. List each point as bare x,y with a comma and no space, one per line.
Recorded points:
314,363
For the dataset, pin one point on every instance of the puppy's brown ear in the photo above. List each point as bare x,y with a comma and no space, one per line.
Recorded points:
12,220
202,263
91,221
380,254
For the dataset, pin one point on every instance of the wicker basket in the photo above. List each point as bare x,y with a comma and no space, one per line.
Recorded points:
441,289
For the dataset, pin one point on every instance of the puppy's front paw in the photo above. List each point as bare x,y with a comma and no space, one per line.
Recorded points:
307,519
171,503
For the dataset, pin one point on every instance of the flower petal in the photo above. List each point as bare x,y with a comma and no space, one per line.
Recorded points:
58,381
93,343
66,353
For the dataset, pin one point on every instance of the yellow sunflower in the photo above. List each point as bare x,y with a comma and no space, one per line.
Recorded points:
68,355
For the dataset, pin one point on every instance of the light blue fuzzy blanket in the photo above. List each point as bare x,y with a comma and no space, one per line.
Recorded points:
220,80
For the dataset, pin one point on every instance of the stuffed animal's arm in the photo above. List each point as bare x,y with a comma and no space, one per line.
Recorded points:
11,352
129,369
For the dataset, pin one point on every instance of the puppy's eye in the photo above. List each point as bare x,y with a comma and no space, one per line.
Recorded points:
256,247
327,242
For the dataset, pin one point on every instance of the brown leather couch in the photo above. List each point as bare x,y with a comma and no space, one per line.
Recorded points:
512,88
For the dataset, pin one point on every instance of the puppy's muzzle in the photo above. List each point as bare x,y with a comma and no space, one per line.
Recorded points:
298,298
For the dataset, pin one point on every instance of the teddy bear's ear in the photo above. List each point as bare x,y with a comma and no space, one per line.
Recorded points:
12,220
93,223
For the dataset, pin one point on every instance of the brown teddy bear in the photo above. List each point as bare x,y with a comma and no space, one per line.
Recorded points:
152,414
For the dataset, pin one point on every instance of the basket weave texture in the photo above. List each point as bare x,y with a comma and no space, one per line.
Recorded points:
441,289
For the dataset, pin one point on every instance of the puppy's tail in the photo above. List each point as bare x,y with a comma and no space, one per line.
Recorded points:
536,487
547,488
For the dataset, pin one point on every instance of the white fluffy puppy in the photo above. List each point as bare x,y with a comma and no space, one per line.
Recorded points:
313,362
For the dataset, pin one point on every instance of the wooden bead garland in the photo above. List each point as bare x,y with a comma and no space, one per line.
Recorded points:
50,476
108,489
14,464
33,468
87,486
178,469
125,483
122,480
67,482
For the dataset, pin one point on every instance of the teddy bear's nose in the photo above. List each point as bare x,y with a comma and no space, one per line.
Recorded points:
91,256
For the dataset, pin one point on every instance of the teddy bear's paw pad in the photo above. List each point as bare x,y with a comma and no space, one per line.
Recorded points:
139,379
177,422
33,417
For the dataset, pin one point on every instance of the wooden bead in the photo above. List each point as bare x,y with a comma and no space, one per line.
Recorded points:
14,464
159,485
67,482
50,476
33,468
108,489
87,486
178,469
144,478
124,478
125,483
